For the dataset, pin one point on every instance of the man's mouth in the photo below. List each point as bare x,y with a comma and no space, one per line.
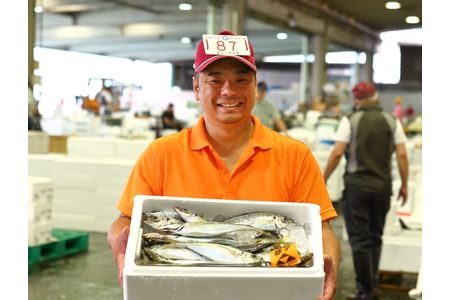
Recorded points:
229,105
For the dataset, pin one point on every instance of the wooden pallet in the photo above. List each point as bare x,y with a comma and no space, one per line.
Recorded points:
397,280
67,243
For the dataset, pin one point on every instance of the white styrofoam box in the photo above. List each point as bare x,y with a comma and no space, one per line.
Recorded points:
90,147
39,212
40,189
402,252
39,233
79,222
81,196
40,165
86,181
132,149
308,136
108,197
172,282
38,142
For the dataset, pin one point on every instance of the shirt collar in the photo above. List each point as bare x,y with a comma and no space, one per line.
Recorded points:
260,138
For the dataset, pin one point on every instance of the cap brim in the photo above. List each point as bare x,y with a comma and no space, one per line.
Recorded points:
212,59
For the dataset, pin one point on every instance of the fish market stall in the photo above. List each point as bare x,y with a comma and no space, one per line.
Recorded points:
205,269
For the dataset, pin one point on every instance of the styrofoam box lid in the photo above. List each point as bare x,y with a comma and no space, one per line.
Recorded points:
299,212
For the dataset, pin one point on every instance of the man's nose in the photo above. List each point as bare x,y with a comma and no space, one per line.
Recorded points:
229,89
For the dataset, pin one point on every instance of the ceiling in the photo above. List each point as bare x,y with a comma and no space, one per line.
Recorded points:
151,29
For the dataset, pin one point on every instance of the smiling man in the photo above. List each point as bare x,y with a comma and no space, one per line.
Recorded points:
229,154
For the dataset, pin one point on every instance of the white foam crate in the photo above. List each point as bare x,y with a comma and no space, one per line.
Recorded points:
220,283
40,189
39,233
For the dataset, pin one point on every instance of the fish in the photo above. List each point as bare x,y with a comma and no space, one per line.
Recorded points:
189,216
225,254
210,229
263,220
173,251
160,221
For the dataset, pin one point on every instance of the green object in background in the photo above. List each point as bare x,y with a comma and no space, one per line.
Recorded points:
67,243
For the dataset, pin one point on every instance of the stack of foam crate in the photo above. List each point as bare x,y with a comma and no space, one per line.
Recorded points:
40,198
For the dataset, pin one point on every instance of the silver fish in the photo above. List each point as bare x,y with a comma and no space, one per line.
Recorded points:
156,237
225,254
173,251
189,216
160,221
262,220
210,229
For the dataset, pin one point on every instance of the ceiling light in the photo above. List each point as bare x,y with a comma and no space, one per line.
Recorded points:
412,20
185,6
185,40
392,5
282,35
38,9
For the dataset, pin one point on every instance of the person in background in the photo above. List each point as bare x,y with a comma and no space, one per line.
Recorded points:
368,139
409,113
230,155
34,118
168,119
398,109
267,112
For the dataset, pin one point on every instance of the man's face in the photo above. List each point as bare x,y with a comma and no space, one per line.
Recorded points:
226,90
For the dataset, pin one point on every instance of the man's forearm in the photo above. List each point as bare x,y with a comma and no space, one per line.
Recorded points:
116,228
402,161
331,244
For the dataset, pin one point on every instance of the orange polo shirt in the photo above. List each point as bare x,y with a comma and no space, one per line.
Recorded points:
273,167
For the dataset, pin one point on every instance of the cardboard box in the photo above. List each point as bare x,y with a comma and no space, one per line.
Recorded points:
220,283
58,144
38,142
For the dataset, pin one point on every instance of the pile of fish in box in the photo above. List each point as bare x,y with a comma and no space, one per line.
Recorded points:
261,239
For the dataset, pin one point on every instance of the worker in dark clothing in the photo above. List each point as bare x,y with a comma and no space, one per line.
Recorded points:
169,121
368,138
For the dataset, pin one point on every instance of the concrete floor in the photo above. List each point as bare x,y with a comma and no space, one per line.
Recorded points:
93,276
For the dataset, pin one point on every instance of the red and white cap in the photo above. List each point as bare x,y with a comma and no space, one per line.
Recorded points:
364,90
202,60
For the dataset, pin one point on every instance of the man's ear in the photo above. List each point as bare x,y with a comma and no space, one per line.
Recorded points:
195,88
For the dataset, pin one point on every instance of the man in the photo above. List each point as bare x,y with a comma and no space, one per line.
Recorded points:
267,112
168,119
229,154
368,138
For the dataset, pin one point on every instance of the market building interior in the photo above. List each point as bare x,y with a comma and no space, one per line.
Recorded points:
101,74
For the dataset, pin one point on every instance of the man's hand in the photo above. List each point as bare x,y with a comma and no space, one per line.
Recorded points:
119,251
403,193
329,288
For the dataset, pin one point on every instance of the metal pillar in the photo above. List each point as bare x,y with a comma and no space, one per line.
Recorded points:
211,27
31,40
319,74
366,70
233,17
304,70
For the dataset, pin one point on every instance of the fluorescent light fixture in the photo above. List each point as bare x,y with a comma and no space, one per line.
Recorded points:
185,6
142,29
38,9
185,40
393,5
282,35
289,58
344,57
407,36
412,20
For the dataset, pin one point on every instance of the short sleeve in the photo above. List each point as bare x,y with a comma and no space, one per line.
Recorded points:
343,133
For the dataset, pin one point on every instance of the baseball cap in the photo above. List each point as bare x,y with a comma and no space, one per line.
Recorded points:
202,60
364,90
